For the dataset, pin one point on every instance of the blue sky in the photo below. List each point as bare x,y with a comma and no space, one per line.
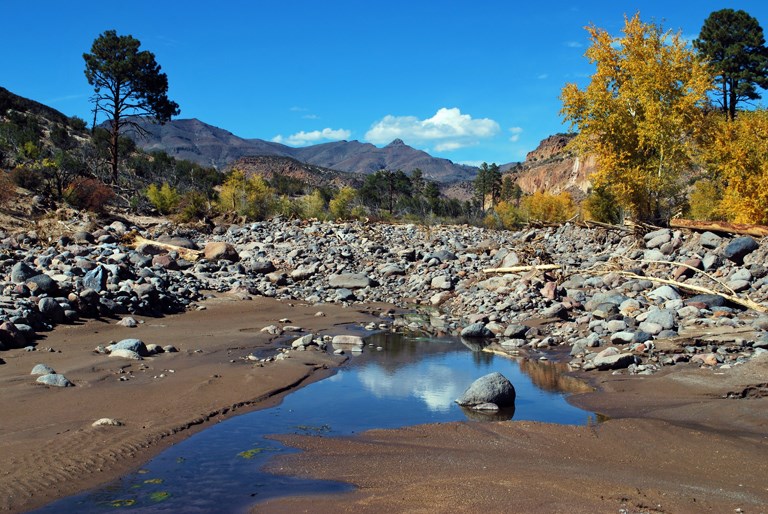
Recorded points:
470,81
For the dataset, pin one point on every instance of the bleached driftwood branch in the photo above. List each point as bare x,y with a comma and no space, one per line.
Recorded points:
518,269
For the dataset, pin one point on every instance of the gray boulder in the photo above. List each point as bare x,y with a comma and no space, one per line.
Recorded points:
51,309
389,270
125,354
444,255
740,248
664,293
350,281
42,369
611,358
21,271
442,282
492,388
348,340
11,336
42,284
262,267
476,330
710,240
55,380
664,317
96,279
709,300
131,344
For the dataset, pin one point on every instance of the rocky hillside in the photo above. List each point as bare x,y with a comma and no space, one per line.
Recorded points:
315,176
204,144
550,167
10,101
207,145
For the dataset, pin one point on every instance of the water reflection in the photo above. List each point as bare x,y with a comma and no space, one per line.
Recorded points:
436,384
410,382
489,415
550,376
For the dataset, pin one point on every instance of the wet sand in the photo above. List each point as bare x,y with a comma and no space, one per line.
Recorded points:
48,448
674,443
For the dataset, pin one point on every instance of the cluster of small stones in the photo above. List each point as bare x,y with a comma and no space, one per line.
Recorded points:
607,319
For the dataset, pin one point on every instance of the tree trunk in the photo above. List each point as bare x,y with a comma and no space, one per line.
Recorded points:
721,226
732,102
114,145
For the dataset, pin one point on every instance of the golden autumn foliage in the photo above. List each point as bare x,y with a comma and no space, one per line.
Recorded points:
738,156
704,200
639,114
548,208
251,197
508,215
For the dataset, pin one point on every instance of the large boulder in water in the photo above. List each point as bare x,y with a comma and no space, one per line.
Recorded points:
492,388
476,330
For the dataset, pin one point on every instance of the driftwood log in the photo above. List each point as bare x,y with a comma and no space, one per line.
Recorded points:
744,302
721,226
518,269
184,253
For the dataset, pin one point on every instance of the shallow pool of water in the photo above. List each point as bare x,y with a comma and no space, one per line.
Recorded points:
409,382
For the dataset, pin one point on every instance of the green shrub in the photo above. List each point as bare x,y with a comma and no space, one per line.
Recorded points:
340,205
193,206
313,206
165,198
601,205
251,197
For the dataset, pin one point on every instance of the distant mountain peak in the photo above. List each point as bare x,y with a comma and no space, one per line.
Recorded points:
197,141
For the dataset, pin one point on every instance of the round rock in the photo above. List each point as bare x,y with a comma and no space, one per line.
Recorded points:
492,388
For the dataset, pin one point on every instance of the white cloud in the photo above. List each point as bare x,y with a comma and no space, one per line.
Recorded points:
573,44
308,138
543,76
311,117
448,129
516,131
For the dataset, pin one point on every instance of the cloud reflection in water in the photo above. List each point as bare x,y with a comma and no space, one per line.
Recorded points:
437,385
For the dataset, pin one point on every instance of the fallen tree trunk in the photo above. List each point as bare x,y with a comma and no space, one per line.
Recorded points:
721,226
744,302
184,253
517,269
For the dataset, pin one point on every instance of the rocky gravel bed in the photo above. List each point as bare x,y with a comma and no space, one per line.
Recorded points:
602,308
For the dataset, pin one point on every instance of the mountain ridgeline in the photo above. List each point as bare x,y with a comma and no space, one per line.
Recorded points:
193,140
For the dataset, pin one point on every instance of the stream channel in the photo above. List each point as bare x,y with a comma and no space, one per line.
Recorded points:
407,382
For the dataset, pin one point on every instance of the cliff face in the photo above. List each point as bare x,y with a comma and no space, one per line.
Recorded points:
550,167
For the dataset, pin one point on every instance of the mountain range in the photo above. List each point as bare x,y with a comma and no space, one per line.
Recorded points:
193,140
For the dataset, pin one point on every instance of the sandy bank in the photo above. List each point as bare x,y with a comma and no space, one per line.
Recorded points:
48,448
674,444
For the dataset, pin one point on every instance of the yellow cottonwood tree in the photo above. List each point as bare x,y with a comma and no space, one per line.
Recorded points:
738,155
251,197
639,114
